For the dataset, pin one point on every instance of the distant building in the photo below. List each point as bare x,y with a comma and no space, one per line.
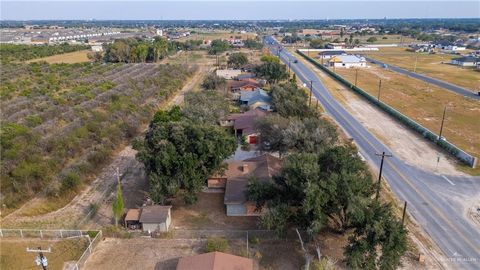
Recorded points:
467,61
215,261
335,46
330,53
97,48
159,32
347,61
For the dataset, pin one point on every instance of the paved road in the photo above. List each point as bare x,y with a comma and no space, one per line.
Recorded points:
434,201
451,87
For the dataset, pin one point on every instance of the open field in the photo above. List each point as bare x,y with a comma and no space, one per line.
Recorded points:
433,65
424,103
67,58
14,256
413,148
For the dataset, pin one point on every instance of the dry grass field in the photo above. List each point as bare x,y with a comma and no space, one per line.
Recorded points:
65,58
434,65
424,103
13,253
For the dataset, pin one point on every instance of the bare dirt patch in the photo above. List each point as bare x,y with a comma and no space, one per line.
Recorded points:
66,58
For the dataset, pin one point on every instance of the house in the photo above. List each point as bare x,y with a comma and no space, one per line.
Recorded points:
428,48
347,61
155,218
330,53
466,61
215,261
97,48
244,76
257,98
235,181
228,73
237,86
243,124
248,67
336,46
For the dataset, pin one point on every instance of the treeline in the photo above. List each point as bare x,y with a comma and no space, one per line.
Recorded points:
182,147
323,184
63,122
13,52
133,50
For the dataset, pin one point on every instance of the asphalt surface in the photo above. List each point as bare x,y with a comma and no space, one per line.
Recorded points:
436,202
450,87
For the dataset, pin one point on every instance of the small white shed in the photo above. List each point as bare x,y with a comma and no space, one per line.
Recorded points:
156,218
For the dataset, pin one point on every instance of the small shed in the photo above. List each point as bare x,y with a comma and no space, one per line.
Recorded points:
132,219
156,218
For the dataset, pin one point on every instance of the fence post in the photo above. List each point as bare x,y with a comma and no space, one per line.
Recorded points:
1,233
41,234
61,233
21,233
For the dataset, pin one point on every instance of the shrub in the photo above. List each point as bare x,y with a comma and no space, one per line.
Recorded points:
254,240
216,244
71,181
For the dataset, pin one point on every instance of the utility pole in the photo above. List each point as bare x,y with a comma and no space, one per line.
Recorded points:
404,211
41,260
316,107
415,66
310,100
356,76
379,88
443,120
383,155
289,60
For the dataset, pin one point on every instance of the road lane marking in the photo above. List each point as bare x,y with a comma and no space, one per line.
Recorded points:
448,180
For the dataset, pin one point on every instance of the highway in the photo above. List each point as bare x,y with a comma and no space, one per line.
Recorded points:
434,201
450,87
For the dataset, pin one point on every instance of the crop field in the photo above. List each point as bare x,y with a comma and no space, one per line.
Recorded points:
434,65
61,122
67,58
13,253
424,103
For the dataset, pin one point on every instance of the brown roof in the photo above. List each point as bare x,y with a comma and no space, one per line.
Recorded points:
155,213
263,168
246,121
215,261
243,83
133,215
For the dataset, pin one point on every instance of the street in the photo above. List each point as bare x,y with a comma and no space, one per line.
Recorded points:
436,202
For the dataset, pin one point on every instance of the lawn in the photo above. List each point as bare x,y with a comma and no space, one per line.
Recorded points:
13,253
66,58
424,103
434,65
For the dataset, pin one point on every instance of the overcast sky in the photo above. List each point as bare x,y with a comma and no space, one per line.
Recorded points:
235,10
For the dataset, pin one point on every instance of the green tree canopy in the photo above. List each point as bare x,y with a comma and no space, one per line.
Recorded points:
290,101
117,205
237,60
317,43
218,46
273,71
379,240
180,155
213,82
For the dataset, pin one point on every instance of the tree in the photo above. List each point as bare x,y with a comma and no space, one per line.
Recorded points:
327,189
379,240
317,43
205,107
213,82
117,205
218,46
357,41
253,44
268,58
371,39
160,48
237,60
290,101
181,155
273,72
